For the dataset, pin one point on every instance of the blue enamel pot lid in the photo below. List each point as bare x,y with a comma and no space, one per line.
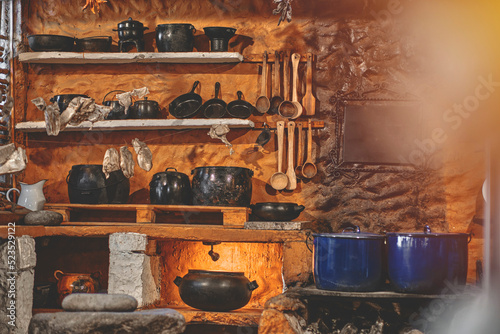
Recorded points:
354,233
427,233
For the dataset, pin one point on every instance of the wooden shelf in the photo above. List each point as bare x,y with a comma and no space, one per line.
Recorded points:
140,124
130,57
187,232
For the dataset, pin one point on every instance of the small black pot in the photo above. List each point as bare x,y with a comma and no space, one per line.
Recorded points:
50,43
94,44
277,211
219,37
222,186
144,109
215,290
175,37
130,30
170,188
63,100
118,111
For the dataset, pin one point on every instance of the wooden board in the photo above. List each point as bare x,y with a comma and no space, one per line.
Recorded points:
130,57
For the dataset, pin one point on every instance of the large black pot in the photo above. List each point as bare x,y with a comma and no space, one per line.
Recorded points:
215,290
222,186
63,100
118,111
175,37
87,184
130,30
144,109
170,187
348,261
424,262
44,42
270,211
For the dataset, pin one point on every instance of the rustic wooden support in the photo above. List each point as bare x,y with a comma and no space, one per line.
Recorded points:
145,216
234,217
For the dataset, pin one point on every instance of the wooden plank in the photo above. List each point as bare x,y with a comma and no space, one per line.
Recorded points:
140,124
130,57
241,317
235,217
145,216
160,231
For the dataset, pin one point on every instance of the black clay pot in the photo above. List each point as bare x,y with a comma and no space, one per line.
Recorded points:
130,30
118,111
63,100
94,44
222,186
175,37
219,37
170,188
144,109
270,211
87,184
50,43
215,290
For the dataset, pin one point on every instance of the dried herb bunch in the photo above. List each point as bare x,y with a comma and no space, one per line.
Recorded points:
284,9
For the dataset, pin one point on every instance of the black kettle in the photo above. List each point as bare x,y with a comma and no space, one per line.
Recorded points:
170,187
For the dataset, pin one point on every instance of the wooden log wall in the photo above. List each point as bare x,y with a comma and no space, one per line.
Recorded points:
358,47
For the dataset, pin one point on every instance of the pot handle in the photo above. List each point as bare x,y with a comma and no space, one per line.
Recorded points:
355,229
67,177
427,229
309,241
166,170
178,281
52,99
470,238
9,191
145,28
192,28
119,90
252,285
58,272
299,208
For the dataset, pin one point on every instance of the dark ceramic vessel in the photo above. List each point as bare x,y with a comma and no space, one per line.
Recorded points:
351,261
175,37
215,290
222,186
270,211
63,100
219,37
118,111
94,44
44,42
170,188
144,109
130,30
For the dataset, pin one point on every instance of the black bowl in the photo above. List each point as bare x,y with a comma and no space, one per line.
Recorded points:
94,44
50,42
219,37
63,100
271,211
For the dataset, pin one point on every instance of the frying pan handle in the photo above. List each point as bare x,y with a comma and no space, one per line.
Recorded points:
196,83
240,94
113,91
217,88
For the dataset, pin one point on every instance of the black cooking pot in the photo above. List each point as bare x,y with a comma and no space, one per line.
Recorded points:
143,109
44,42
63,100
222,186
118,111
87,184
215,290
130,30
170,187
423,262
270,211
94,44
175,37
219,37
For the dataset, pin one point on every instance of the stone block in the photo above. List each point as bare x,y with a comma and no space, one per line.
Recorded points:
26,256
127,242
99,302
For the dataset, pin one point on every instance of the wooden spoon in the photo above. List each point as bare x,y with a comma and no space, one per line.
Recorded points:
309,169
290,172
263,102
279,180
276,99
309,101
300,154
287,108
295,100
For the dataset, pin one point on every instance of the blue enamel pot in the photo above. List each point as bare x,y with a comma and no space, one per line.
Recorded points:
426,262
348,261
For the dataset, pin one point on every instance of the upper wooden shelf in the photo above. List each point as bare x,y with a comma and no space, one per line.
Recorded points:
130,57
141,124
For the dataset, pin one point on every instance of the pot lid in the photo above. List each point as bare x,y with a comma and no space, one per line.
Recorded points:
354,234
130,24
145,101
427,233
216,272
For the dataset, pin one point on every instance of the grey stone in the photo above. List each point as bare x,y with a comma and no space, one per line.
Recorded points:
99,302
127,242
26,255
43,217
161,321
286,226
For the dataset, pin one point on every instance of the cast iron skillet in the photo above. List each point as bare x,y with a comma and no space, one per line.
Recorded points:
186,105
240,108
43,42
215,108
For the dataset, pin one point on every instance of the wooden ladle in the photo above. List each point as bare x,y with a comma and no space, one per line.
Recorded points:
290,172
309,101
276,99
295,100
309,169
300,146
287,108
263,104
279,180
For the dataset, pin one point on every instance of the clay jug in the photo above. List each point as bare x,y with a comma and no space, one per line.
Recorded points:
31,195
75,283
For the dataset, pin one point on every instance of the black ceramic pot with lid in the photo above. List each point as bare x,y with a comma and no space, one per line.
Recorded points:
130,30
170,187
144,109
175,37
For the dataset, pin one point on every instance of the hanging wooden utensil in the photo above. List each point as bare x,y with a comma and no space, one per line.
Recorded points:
263,104
309,169
276,99
279,180
309,101
300,153
292,178
295,100
287,108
